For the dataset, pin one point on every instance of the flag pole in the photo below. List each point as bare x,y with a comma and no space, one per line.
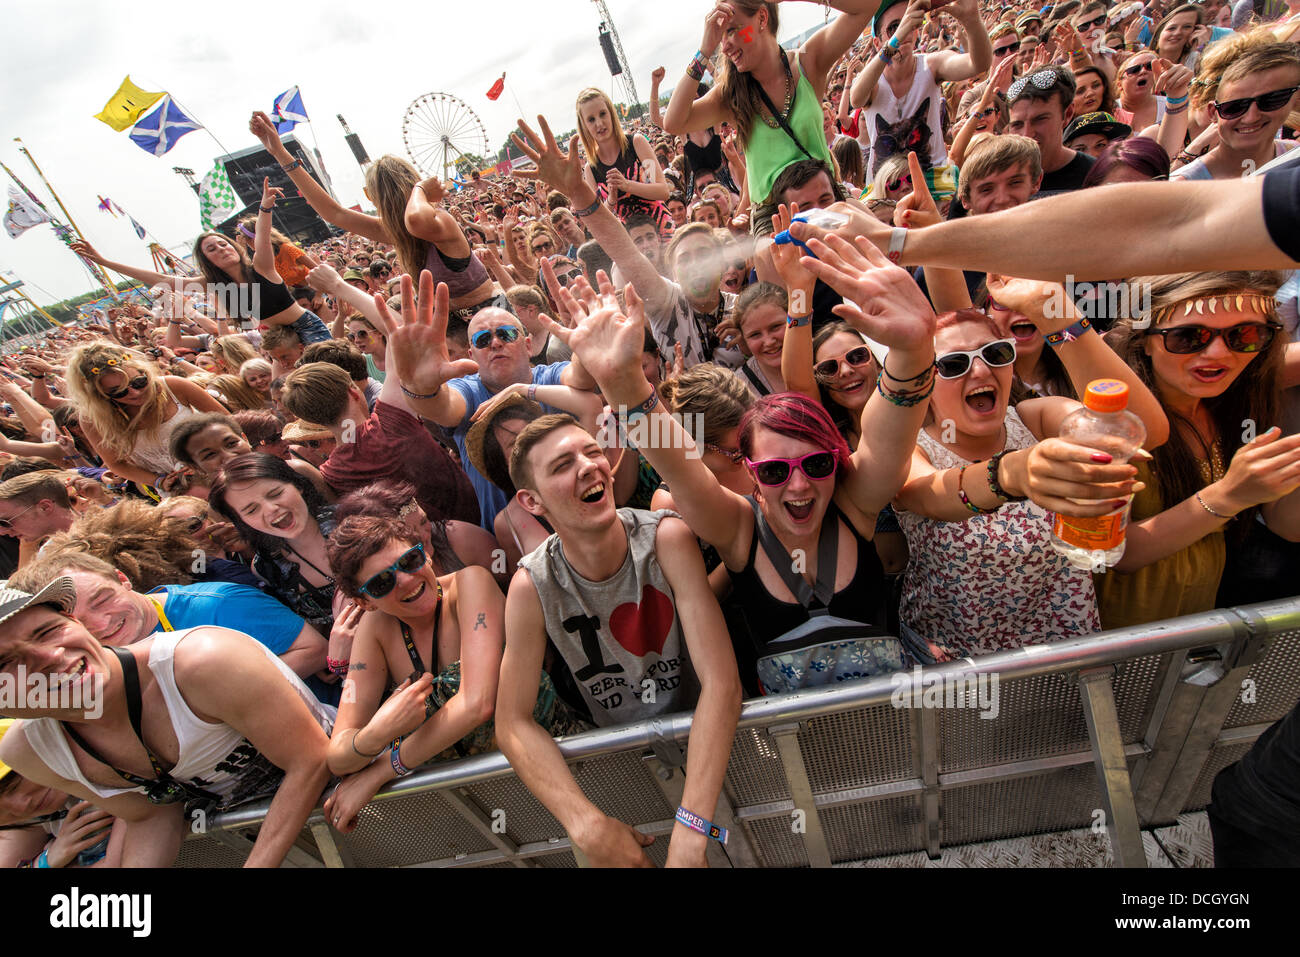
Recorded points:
96,270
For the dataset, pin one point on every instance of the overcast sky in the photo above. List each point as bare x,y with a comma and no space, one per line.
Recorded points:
367,61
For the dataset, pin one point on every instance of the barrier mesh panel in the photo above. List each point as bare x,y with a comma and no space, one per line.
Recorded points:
754,773
1276,679
205,852
1055,801
781,846
873,829
562,859
1037,717
411,830
871,746
623,787
527,821
1134,688
1218,759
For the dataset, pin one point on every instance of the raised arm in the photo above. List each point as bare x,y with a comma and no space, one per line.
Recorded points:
317,198
416,358
951,65
609,343
146,276
564,172
656,115
824,48
426,220
797,346
263,251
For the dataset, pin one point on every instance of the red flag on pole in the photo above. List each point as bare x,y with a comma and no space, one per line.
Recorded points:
497,88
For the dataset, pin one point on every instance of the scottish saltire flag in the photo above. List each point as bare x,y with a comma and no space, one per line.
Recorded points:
287,111
159,131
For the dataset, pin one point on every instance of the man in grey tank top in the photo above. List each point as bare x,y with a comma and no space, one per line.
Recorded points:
623,595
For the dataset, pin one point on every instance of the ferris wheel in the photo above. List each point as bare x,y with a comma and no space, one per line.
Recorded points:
439,128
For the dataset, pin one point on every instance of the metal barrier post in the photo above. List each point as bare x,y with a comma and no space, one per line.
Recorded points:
925,735
738,851
464,804
331,852
1098,701
786,739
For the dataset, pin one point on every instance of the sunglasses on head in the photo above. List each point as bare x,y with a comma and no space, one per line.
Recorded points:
827,368
483,338
1042,80
1243,337
1095,22
1268,102
1009,48
954,365
1137,68
816,465
381,583
139,382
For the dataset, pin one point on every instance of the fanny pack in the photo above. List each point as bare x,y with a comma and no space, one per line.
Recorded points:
825,649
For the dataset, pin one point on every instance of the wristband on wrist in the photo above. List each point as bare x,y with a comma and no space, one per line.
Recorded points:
532,392
395,754
416,395
296,164
903,399
919,377
794,322
267,209
894,42
1068,334
697,823
1177,100
587,210
43,859
886,54
338,666
644,408
896,240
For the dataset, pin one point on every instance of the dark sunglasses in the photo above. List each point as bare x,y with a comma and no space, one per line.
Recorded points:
816,465
987,111
893,184
1268,102
827,368
954,365
1011,48
381,583
734,455
139,382
315,443
483,338
1137,68
1243,337
1088,25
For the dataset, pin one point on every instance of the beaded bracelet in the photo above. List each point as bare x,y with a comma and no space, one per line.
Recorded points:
338,666
995,486
965,500
1200,501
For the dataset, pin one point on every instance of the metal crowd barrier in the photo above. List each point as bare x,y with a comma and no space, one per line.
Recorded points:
1132,724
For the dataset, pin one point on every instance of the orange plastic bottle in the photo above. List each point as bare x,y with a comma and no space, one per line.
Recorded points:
1104,424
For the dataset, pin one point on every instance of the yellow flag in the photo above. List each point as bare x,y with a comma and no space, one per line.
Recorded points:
126,105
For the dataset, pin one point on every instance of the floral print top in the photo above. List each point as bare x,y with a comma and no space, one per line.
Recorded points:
992,582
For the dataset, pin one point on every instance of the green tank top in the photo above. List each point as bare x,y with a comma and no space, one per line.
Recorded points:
771,150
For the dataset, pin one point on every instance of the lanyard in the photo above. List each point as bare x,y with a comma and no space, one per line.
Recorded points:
162,615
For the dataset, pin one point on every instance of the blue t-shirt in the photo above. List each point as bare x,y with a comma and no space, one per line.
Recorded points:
237,607
490,498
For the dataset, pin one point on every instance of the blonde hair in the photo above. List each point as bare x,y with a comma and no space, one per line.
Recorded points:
231,352
1237,56
998,153
118,429
236,394
257,364
389,182
715,394
589,141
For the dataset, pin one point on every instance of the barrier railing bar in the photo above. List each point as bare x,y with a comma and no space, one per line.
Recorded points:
330,851
786,739
1244,734
1090,651
671,781
1098,701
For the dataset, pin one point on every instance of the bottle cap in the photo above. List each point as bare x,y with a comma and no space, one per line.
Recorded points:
1106,395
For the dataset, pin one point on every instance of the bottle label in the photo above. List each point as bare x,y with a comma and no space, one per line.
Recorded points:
1092,534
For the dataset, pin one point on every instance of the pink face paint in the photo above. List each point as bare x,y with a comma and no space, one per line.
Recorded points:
747,34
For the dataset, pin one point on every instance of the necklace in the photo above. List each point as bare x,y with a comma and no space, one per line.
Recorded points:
789,95
329,579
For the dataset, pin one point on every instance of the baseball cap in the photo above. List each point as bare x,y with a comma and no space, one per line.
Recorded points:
60,593
1102,123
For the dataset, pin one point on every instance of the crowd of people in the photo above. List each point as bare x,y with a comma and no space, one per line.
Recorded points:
662,443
